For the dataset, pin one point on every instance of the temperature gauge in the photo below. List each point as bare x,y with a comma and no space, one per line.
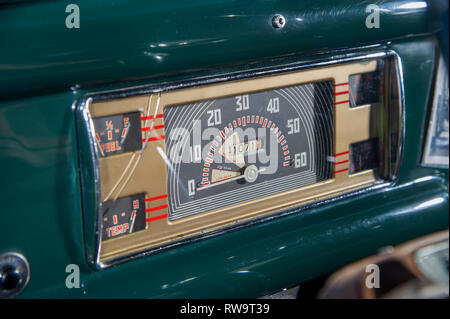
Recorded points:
123,216
118,133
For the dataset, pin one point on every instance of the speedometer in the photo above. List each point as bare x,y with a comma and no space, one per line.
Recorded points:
229,150
162,166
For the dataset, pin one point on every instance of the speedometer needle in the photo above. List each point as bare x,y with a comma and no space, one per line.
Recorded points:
250,175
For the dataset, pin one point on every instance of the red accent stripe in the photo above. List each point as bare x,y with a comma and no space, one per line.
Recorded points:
342,102
342,162
340,84
156,198
152,117
156,127
342,170
152,209
340,93
156,218
154,138
339,154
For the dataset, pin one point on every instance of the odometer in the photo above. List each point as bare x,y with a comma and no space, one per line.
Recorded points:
238,148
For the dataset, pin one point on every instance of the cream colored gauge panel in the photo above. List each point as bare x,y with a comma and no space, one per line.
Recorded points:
179,164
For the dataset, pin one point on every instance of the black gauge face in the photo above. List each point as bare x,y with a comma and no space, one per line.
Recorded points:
366,88
123,216
363,155
235,149
118,133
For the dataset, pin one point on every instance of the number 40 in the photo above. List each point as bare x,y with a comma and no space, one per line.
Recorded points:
274,105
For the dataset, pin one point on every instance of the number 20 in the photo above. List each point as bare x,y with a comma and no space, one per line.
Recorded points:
215,117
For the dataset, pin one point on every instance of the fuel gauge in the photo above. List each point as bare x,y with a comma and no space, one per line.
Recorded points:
118,133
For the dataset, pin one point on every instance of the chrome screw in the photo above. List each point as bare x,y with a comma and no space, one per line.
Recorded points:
278,21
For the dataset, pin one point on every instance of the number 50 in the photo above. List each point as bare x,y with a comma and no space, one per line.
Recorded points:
293,125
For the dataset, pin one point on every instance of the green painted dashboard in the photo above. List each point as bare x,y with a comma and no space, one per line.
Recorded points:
45,68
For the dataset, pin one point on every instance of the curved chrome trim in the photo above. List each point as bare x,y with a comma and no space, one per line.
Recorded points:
402,130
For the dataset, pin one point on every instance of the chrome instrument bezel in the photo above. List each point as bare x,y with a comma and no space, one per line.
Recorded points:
93,238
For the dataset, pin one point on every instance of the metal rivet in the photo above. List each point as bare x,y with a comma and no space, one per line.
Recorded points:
278,21
14,274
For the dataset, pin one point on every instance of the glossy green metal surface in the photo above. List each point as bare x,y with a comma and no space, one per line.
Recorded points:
127,40
41,214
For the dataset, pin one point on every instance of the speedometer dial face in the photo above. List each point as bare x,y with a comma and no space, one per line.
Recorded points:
230,150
